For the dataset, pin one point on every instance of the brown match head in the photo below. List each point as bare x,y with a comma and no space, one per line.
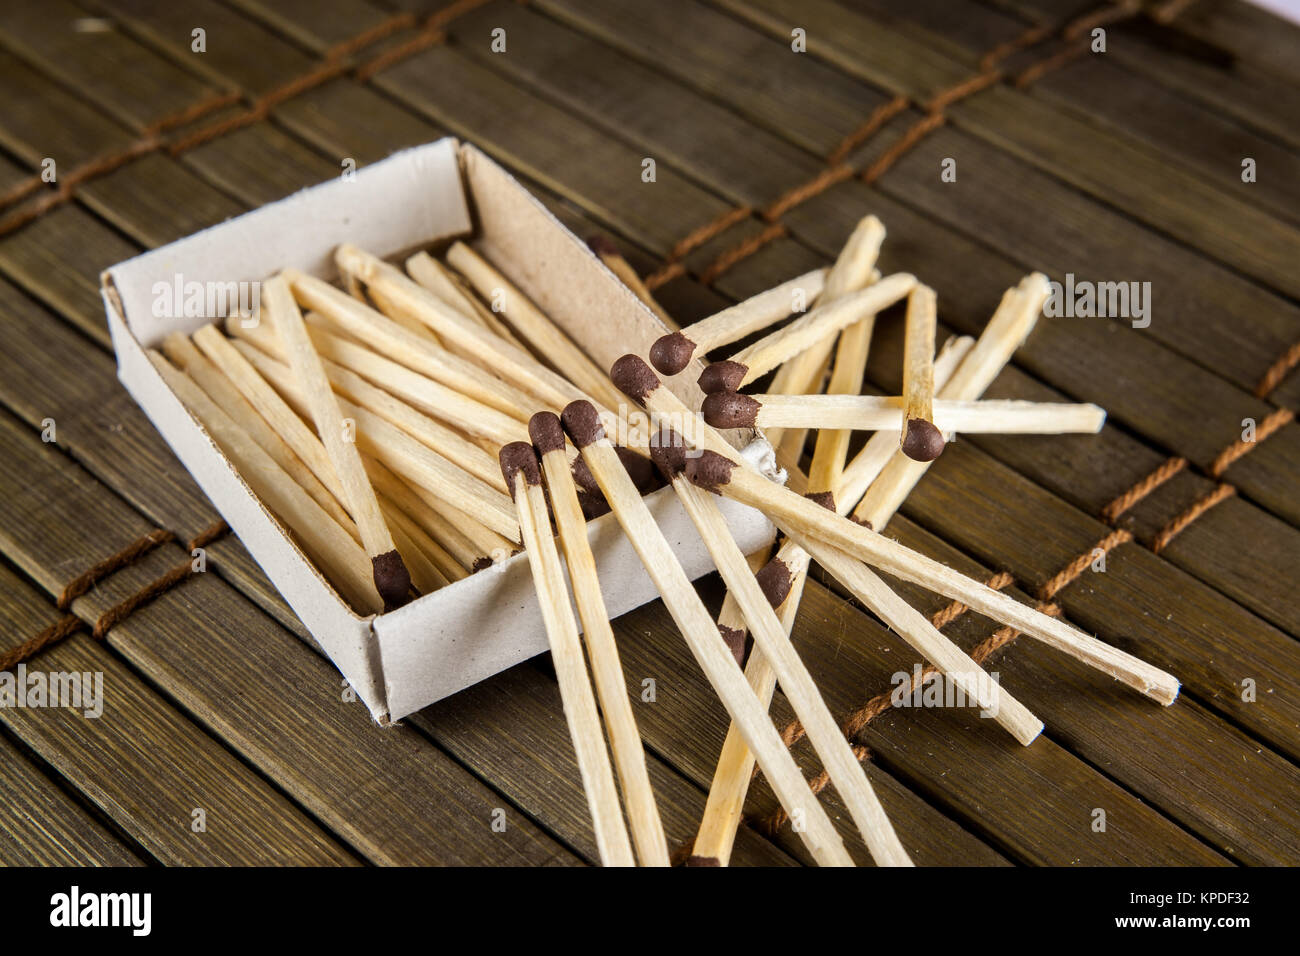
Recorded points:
730,410
516,458
722,376
547,433
921,440
582,422
709,470
735,641
668,452
481,563
639,468
633,377
593,504
671,353
602,245
702,861
774,578
392,580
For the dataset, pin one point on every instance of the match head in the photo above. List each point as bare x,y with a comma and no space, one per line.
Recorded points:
921,440
730,410
517,457
671,353
709,470
639,468
547,433
602,245
668,452
633,377
735,641
392,580
702,861
582,422
774,578
824,498
722,376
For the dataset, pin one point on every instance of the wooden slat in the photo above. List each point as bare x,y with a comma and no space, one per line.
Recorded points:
41,826
1183,759
145,765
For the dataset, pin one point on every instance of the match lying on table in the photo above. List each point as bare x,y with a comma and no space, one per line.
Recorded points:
879,412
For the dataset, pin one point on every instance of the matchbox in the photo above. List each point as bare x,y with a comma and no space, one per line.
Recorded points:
470,629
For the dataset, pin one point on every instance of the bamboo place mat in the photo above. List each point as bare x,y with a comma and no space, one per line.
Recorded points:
226,738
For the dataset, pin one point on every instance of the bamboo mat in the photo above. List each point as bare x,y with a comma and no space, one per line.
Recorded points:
226,738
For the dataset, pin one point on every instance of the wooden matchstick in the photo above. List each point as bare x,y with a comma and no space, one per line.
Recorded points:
507,361
887,413
429,396
405,347
339,558
804,520
609,254
832,445
921,440
624,740
446,285
671,353
1007,329
804,333
582,423
185,356
424,573
455,553
854,269
523,477
533,325
837,756
392,579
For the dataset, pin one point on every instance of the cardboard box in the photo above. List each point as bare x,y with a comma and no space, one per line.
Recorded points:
444,641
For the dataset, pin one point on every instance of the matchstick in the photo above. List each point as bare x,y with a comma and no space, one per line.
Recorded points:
392,579
887,413
523,477
341,561
802,334
832,445
837,757
424,573
609,254
671,353
788,570
447,286
278,415
507,361
624,740
921,439
405,347
429,396
435,533
185,356
804,520
533,325
413,459
582,423
854,269
1007,329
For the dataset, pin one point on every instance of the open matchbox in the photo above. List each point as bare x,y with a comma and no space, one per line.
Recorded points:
444,641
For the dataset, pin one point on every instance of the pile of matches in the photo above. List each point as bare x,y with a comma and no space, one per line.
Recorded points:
434,382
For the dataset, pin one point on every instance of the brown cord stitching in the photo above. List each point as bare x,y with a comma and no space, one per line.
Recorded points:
881,115
380,31
960,91
116,562
1142,488
218,529
741,251
820,183
154,589
34,645
1275,421
1197,508
1038,70
1063,578
908,140
1278,371
1029,37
